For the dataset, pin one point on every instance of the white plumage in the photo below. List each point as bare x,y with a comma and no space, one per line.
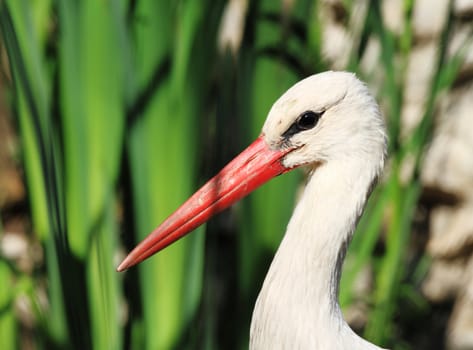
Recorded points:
297,307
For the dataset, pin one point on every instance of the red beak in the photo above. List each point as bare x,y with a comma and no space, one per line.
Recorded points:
252,168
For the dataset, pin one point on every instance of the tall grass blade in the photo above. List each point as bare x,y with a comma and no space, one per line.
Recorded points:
162,151
25,39
8,324
92,105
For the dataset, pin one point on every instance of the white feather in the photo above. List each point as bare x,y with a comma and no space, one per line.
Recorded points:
297,307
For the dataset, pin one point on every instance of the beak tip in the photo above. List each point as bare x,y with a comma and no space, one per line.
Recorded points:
123,266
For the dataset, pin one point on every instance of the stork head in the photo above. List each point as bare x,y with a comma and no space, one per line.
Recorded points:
326,117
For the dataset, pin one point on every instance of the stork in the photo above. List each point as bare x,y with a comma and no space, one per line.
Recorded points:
330,124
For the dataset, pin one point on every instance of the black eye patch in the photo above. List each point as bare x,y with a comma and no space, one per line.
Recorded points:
305,121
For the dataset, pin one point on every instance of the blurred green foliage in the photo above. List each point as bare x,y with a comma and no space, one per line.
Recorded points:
123,109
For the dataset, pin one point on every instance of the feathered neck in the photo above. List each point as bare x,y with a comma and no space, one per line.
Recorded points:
297,307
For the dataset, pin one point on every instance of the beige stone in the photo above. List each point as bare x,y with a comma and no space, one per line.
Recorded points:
460,328
462,44
449,162
232,26
463,8
452,231
336,45
393,15
13,245
420,69
429,17
444,280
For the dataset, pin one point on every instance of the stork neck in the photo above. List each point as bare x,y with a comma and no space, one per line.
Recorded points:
300,291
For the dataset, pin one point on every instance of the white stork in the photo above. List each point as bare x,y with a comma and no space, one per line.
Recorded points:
330,124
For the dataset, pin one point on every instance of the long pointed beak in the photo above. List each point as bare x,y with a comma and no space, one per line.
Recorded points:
249,170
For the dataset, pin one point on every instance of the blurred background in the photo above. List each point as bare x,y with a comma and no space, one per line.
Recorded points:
112,112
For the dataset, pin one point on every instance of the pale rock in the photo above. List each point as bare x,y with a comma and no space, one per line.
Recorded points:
370,59
336,45
339,39
463,8
429,17
18,249
232,26
440,219
452,231
369,65
460,328
356,315
448,163
356,23
444,280
463,45
13,246
420,69
393,16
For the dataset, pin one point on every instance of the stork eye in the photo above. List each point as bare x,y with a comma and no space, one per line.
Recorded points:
305,121
308,120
